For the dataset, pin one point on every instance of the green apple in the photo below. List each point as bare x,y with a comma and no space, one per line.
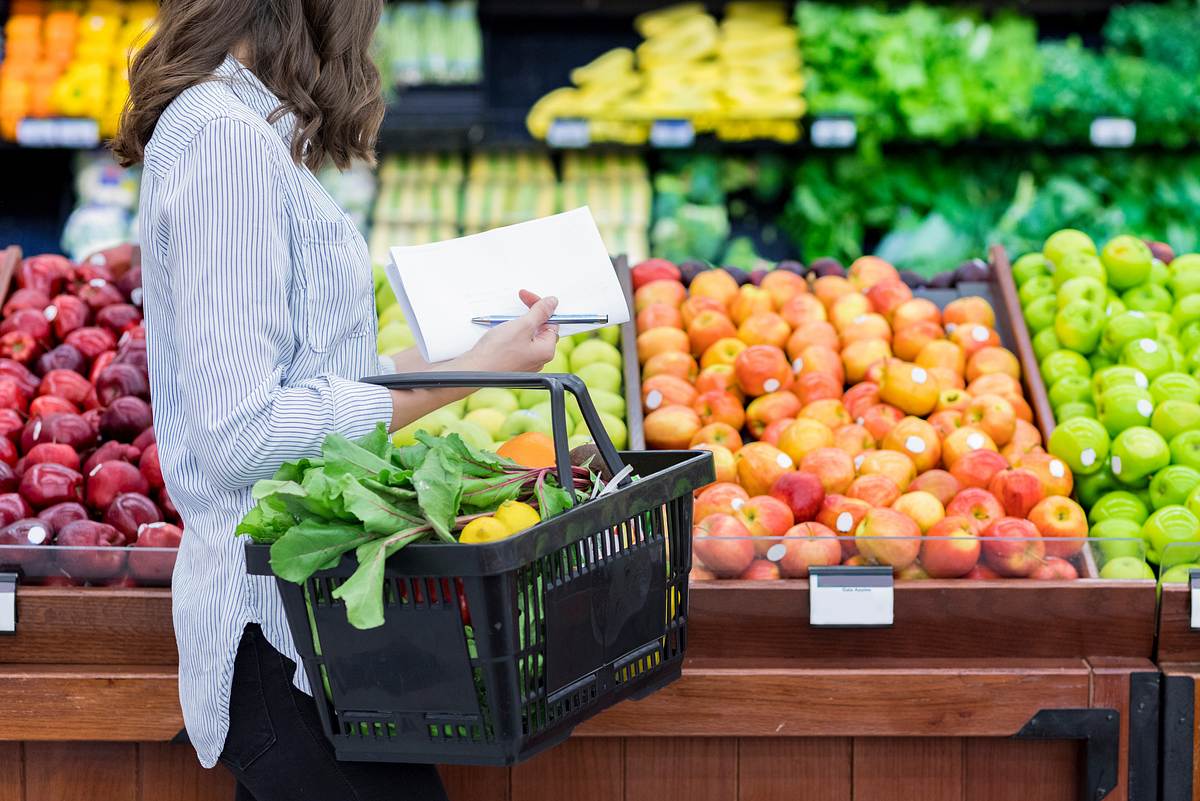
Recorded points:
1168,528
1119,504
458,408
1124,407
1137,453
1175,386
1044,343
1185,449
1189,335
490,420
600,375
578,440
1193,500
1187,310
1123,328
1035,288
522,421
1039,314
1148,356
1147,297
1127,260
1094,486
1117,537
583,336
1029,266
472,433
1063,363
1179,574
1118,376
1185,275
395,337
564,346
611,335
1113,305
1077,409
1071,389
498,398
1173,417
615,427
594,351
1079,265
1126,568
528,398
1099,360
559,363
433,424
1172,485
1082,443
1082,288
1067,240
1164,323
606,401
1078,325
1159,273
393,314
574,415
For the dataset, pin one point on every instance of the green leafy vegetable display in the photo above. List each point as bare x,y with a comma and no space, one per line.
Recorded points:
372,498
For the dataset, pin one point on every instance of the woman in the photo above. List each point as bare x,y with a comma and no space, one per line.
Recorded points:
260,318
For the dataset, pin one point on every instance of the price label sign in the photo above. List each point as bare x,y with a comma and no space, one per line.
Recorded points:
851,596
1194,583
62,132
569,133
1113,132
8,603
834,132
670,134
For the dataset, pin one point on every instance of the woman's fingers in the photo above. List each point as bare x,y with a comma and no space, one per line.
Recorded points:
539,314
528,298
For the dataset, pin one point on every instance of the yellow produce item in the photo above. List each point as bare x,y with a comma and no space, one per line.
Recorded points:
612,64
773,13
652,23
517,516
484,529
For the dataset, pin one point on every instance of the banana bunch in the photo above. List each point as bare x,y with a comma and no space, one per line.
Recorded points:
740,78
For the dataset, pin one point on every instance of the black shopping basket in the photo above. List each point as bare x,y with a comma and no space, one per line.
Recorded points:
491,653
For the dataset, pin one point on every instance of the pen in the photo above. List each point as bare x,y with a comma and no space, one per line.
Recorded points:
557,319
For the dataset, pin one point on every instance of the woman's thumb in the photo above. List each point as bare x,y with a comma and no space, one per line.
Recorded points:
539,313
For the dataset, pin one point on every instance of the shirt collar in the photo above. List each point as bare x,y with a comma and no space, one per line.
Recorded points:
254,93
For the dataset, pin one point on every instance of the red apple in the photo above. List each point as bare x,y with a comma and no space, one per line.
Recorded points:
938,483
888,537
719,499
1055,569
802,492
808,545
981,573
978,505
876,489
1013,547
765,518
842,515
761,570
1063,523
976,468
723,545
1017,489
951,548
921,507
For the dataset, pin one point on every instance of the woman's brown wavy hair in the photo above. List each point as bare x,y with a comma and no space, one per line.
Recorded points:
314,55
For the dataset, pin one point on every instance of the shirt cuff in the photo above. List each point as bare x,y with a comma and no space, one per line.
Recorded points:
359,407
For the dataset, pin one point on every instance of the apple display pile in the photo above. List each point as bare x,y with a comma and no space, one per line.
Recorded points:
927,462
1117,334
78,461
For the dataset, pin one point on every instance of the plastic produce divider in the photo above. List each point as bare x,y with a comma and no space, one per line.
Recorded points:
556,383
630,368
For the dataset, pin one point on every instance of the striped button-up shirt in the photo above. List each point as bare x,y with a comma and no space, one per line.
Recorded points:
260,316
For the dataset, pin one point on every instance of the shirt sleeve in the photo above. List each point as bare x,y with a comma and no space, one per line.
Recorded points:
229,255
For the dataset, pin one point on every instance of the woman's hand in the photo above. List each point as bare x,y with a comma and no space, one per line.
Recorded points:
523,345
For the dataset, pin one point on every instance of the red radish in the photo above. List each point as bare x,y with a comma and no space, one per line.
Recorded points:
48,405
12,396
67,428
20,346
125,418
21,374
52,452
92,340
129,511
93,561
67,314
64,357
144,439
119,317
47,484
107,480
71,386
120,380
111,452
60,514
26,299
13,507
31,321
150,467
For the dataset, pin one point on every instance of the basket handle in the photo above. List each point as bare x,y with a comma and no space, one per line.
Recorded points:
556,383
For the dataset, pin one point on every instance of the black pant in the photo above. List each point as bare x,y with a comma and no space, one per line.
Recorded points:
278,752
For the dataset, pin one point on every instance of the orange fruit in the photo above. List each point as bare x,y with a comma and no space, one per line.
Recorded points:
531,449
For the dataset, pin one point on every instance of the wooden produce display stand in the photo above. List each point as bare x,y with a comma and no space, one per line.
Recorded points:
979,690
1179,661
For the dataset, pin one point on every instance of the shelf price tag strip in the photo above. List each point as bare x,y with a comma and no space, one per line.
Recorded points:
1194,584
834,131
569,133
670,134
8,603
58,132
851,596
1112,132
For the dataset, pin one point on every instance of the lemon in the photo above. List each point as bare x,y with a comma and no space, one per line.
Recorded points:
484,529
517,516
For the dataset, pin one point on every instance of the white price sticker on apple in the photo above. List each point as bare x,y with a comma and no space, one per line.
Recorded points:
1113,132
1194,583
851,596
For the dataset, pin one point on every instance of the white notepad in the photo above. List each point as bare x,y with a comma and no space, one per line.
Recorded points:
441,286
